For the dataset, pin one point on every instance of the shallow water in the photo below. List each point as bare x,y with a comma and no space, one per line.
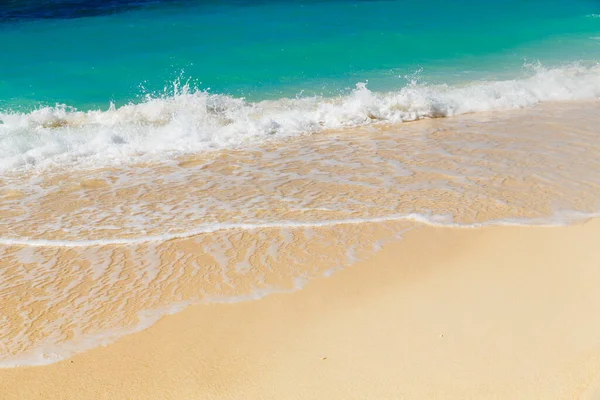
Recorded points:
93,254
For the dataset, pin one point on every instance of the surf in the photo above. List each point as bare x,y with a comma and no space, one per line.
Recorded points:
188,120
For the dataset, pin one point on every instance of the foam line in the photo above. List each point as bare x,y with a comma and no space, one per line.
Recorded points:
560,219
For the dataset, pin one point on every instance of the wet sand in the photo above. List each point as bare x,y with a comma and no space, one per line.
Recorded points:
449,313
274,254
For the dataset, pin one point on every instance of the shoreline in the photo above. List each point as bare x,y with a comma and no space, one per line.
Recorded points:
494,312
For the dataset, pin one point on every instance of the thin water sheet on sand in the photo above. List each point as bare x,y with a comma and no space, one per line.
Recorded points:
90,255
449,313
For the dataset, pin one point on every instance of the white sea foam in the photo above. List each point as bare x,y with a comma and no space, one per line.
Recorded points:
558,218
426,219
192,121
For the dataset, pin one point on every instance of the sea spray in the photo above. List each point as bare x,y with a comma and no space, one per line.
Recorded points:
190,121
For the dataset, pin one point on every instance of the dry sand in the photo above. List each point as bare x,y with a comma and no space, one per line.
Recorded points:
491,313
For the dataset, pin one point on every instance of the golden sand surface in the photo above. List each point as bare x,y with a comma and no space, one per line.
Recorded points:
445,313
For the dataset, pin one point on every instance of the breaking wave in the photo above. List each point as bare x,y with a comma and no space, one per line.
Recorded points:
191,121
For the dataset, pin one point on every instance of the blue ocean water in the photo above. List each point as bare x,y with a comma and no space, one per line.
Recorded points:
88,53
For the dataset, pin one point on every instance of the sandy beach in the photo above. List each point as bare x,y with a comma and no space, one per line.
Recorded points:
448,313
299,200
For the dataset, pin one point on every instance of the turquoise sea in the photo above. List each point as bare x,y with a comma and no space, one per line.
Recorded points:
86,54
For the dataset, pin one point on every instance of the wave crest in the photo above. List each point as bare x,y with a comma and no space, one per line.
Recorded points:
191,121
